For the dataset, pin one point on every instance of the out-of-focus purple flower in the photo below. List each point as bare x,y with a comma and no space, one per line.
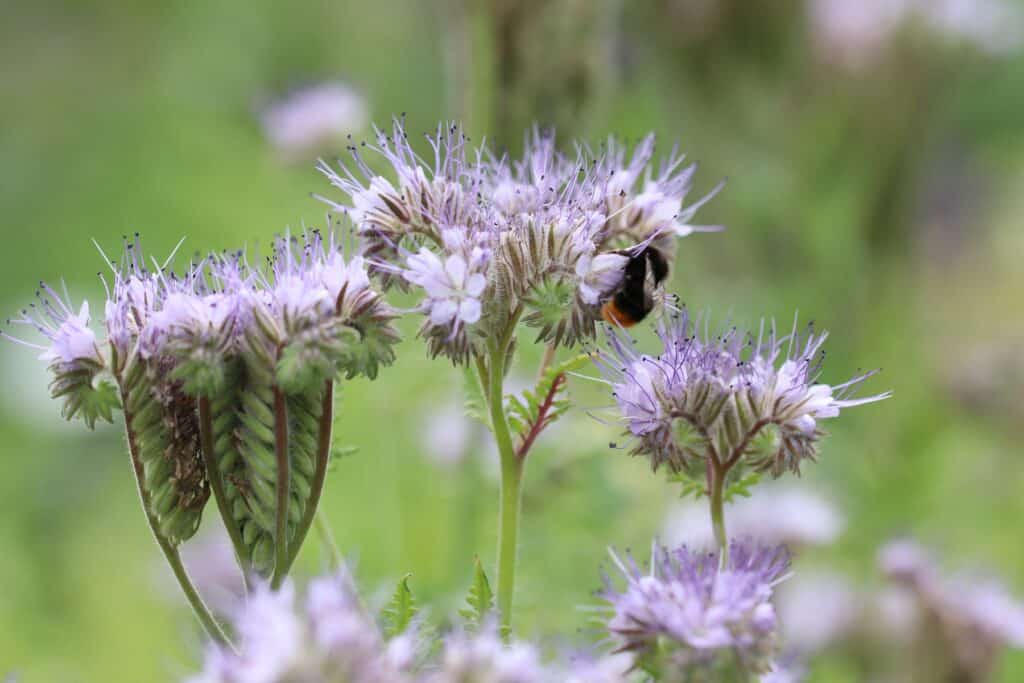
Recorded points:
976,618
795,517
689,613
330,639
785,670
816,610
447,433
313,118
212,566
483,657
585,668
727,397
855,33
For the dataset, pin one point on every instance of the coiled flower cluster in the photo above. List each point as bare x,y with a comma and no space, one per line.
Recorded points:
488,240
726,398
224,373
693,618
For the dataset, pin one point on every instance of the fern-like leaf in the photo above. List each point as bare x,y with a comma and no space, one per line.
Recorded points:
536,409
480,599
400,609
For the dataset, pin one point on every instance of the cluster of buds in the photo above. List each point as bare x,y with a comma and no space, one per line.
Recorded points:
728,400
692,617
225,376
488,241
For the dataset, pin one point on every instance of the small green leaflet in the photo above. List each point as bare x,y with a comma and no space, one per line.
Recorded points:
742,487
480,599
697,487
536,409
400,609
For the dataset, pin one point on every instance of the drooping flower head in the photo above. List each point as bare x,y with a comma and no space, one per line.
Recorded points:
489,240
689,615
729,397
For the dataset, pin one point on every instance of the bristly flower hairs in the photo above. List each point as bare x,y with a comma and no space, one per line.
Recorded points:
489,243
225,373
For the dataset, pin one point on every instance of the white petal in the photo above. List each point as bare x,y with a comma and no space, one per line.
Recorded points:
455,266
469,311
443,311
475,284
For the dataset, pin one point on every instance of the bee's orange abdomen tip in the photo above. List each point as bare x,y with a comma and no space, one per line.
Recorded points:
614,316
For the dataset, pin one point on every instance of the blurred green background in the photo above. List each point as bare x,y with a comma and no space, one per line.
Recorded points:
876,184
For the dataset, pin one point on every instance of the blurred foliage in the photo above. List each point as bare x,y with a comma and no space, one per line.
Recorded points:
883,201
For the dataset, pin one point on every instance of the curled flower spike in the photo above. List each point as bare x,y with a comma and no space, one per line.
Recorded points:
727,398
689,616
489,240
73,355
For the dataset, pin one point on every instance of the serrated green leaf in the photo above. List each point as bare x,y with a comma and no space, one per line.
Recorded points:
480,598
535,409
741,488
689,485
400,609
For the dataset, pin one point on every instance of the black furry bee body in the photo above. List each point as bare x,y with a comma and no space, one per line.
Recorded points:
633,300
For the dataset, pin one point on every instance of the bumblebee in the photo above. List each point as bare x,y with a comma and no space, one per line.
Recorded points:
634,299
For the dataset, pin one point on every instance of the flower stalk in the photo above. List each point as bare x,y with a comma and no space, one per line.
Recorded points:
716,495
170,550
510,504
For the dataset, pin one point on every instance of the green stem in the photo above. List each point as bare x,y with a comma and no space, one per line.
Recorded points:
283,472
511,488
323,456
716,481
202,612
323,528
213,475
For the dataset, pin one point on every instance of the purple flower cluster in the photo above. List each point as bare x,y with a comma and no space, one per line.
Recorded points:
329,636
726,397
976,618
486,239
690,614
310,314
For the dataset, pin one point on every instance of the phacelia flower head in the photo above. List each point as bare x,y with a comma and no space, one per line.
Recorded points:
72,343
328,638
689,614
974,618
728,397
488,240
483,656
75,358
312,118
